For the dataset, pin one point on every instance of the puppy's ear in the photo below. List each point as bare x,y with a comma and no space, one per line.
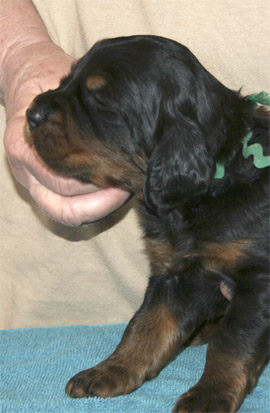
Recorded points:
180,166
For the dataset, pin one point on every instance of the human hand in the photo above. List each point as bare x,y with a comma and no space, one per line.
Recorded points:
39,68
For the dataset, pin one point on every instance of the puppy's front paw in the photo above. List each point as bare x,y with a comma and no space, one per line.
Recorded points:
107,379
201,399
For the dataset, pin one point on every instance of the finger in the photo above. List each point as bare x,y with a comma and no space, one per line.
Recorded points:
76,210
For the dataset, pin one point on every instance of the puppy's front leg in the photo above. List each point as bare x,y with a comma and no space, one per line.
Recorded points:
152,337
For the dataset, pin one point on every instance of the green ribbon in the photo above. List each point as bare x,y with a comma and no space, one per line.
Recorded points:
256,150
259,160
263,98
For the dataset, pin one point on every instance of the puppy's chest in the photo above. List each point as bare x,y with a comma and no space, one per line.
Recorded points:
214,256
175,243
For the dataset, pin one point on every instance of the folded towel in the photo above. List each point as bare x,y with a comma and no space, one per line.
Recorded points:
36,363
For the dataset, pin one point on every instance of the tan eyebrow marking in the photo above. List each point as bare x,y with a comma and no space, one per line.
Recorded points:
95,82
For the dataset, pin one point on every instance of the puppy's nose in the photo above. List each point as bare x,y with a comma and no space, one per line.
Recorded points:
35,117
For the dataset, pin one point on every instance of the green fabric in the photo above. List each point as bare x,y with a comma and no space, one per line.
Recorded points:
259,160
256,150
220,171
263,98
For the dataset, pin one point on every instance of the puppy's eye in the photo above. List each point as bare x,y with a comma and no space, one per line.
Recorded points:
99,98
95,84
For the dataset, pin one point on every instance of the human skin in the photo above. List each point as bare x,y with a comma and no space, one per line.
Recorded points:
30,63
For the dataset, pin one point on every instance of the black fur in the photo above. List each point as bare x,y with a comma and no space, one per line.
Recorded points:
165,122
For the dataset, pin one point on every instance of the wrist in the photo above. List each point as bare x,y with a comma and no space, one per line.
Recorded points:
26,50
41,63
20,25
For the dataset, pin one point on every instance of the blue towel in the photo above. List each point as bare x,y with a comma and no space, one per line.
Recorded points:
36,363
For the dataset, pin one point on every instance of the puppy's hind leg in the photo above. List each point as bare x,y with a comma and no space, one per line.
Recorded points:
236,352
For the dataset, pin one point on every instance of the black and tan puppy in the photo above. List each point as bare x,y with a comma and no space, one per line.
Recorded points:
141,113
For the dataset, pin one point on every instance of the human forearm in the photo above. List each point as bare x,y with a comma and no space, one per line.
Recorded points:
30,63
21,30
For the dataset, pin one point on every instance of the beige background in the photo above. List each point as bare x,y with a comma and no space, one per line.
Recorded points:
54,275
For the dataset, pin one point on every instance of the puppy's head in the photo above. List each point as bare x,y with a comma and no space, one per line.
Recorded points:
142,114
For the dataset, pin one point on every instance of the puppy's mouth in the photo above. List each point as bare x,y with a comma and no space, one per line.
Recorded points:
106,199
60,147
